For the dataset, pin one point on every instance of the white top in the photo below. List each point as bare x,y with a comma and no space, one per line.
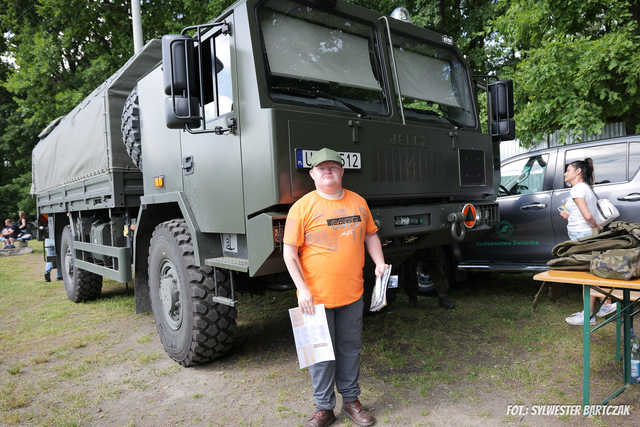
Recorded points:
576,222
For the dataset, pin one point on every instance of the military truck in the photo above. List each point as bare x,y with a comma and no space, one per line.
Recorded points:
178,171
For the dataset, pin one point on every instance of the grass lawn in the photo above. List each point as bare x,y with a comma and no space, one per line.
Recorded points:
99,363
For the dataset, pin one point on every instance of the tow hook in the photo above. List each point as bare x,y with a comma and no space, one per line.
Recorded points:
458,230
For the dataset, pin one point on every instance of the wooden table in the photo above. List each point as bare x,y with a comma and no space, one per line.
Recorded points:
625,312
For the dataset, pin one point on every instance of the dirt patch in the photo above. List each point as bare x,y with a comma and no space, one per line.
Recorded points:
102,364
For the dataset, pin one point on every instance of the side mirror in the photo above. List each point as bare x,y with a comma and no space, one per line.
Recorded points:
503,127
178,64
179,113
180,82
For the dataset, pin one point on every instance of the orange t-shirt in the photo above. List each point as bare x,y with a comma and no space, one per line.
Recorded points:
330,237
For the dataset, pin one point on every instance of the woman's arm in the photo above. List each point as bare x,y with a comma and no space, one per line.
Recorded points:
586,214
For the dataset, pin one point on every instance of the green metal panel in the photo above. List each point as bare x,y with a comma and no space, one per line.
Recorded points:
260,239
205,245
160,145
107,190
214,188
123,255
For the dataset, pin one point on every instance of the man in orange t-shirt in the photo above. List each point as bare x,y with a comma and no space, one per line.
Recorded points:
324,240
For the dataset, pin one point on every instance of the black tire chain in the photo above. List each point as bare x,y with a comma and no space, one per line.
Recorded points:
130,128
213,324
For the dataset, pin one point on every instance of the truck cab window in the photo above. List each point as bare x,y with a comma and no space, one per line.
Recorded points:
321,59
216,75
433,82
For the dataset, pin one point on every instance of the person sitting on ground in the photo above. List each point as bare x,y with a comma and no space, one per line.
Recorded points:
22,222
9,234
23,234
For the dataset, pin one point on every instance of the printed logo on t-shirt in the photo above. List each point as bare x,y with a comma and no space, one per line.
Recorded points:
344,220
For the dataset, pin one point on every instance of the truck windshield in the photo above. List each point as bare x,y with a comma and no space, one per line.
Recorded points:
433,82
311,52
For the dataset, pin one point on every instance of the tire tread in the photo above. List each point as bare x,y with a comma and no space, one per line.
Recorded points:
213,324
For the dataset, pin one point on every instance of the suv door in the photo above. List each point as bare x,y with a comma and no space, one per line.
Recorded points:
524,235
525,206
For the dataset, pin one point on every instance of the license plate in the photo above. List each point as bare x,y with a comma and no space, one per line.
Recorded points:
349,160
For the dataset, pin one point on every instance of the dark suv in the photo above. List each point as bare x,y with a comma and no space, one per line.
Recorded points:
531,190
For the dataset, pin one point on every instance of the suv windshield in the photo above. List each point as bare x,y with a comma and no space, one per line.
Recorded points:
318,58
433,82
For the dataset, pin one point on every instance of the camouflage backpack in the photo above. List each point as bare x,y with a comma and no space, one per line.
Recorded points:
621,264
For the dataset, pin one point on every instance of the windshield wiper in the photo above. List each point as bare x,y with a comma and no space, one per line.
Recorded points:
438,115
316,93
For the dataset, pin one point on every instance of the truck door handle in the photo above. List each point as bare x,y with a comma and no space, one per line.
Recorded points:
633,197
535,206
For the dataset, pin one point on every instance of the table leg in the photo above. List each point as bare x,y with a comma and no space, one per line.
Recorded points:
627,335
618,328
586,296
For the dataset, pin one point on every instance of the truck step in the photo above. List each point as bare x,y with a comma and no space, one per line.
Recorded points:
229,263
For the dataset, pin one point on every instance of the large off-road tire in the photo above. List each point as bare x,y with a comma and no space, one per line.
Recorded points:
80,285
192,328
130,127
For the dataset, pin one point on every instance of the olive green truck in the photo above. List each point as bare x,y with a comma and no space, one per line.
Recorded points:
178,171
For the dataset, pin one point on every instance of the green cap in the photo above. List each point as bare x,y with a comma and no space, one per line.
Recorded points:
325,155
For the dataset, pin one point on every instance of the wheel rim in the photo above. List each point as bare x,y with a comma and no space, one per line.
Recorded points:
170,294
68,263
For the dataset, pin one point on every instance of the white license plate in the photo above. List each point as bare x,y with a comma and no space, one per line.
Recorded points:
349,160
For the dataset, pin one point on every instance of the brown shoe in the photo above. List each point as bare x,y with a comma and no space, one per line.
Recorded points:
358,414
321,418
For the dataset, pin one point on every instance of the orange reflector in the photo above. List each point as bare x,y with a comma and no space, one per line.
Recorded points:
133,227
158,181
470,215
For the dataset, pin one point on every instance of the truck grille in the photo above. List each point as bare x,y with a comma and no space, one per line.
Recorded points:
406,164
488,214
472,167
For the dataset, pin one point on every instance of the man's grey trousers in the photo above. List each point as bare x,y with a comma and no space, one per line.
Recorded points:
345,327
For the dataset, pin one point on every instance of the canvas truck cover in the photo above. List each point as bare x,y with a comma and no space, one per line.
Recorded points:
87,141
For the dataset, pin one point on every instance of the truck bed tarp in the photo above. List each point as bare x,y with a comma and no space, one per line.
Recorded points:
87,141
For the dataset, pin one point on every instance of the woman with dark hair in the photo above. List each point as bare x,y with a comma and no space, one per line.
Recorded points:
22,222
580,210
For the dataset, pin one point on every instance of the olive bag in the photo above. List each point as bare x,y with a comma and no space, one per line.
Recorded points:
620,264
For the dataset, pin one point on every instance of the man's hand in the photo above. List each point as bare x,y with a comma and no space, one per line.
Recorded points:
291,259
564,214
380,269
305,301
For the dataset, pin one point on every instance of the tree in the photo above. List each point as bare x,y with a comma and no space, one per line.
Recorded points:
55,53
576,64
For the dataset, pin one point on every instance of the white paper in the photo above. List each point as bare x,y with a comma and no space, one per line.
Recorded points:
379,296
311,334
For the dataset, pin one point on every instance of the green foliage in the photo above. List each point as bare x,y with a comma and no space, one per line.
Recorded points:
576,65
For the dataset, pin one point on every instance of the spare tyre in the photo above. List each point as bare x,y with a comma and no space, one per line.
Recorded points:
130,127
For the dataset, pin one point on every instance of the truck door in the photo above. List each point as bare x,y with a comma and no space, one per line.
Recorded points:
211,161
